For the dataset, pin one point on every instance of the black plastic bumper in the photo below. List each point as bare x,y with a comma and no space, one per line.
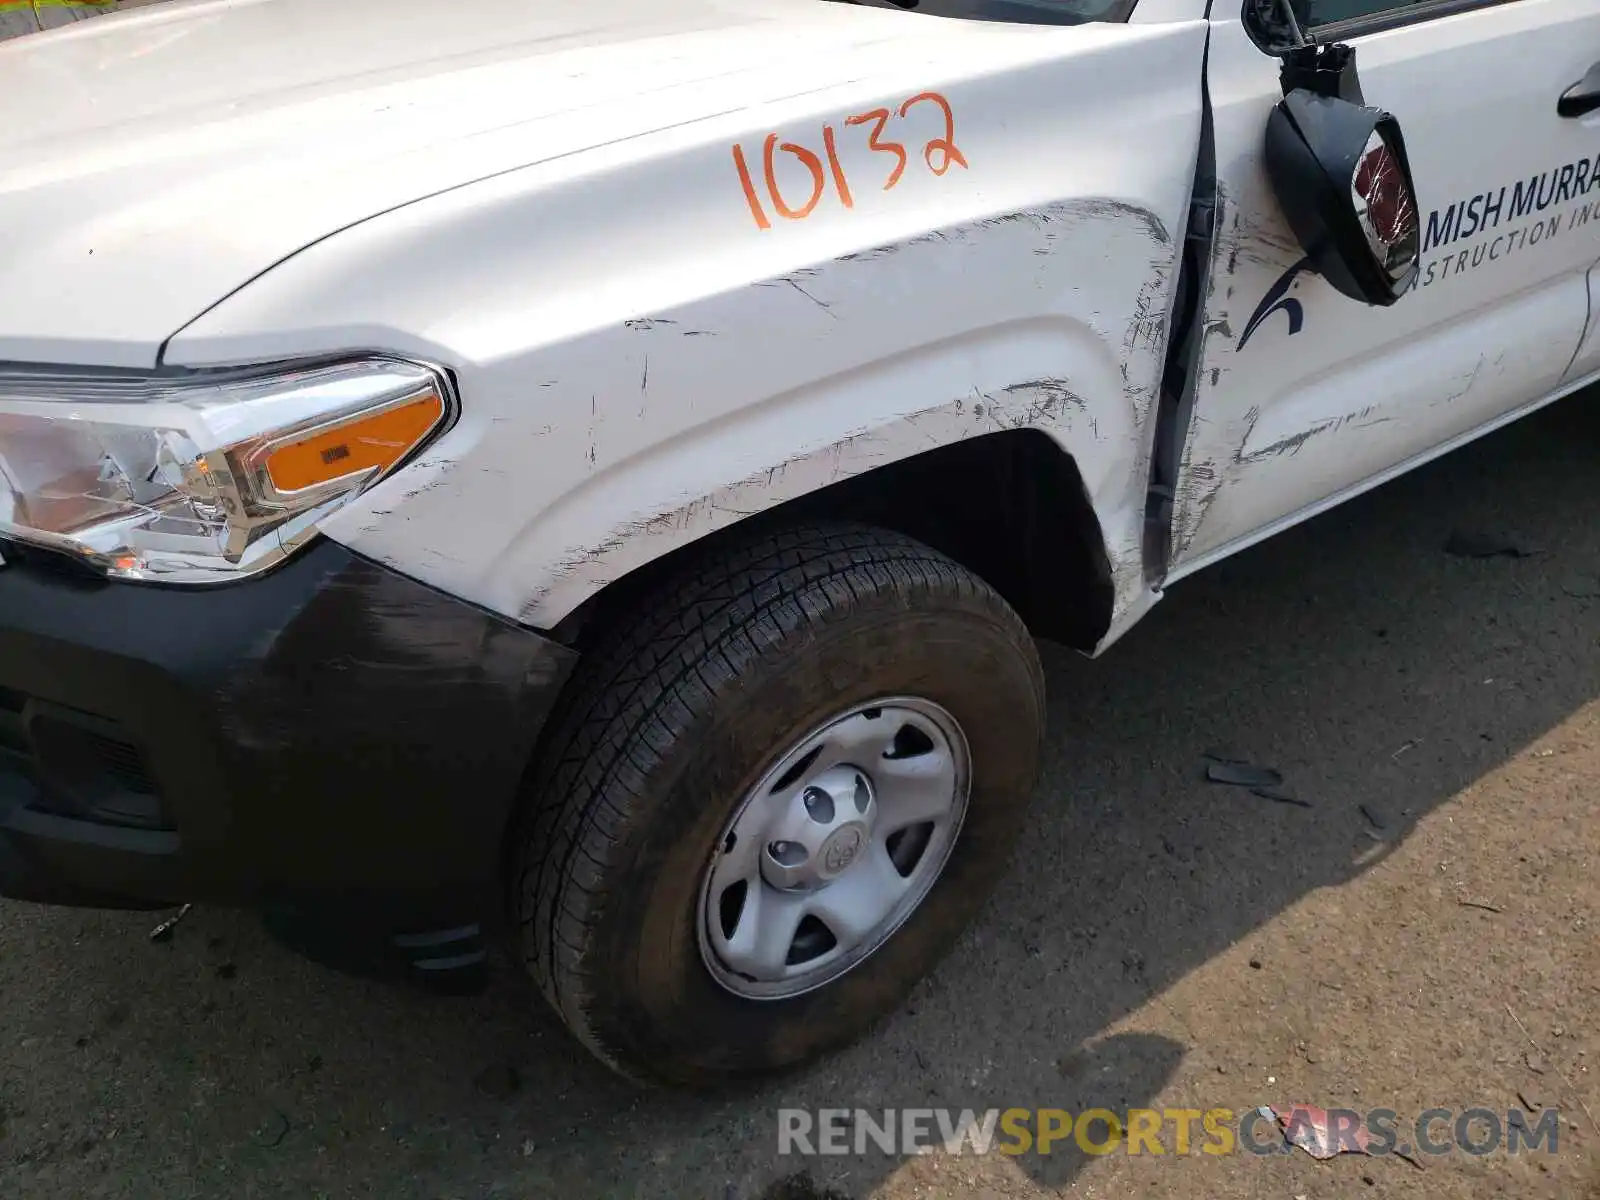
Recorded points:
332,738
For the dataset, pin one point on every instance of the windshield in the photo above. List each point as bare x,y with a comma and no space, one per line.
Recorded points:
1029,12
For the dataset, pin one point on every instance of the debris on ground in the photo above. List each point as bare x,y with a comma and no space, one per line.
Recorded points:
1560,1074
1236,771
163,931
1311,1128
1280,795
1464,544
1242,774
1378,826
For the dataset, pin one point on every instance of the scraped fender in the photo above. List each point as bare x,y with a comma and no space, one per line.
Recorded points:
645,354
578,461
603,551
673,434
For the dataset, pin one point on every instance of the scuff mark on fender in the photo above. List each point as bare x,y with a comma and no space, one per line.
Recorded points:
822,304
1072,211
1032,403
1045,397
624,483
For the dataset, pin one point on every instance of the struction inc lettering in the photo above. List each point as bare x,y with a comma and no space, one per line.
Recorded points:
1485,211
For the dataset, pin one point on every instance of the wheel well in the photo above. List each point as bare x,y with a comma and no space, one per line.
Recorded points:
1009,506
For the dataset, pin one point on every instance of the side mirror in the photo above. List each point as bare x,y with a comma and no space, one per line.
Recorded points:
1341,174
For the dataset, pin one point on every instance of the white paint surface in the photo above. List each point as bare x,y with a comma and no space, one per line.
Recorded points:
640,363
544,200
174,153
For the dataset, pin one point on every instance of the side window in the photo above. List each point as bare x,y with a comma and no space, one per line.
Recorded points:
1330,12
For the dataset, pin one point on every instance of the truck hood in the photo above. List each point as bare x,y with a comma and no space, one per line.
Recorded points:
170,155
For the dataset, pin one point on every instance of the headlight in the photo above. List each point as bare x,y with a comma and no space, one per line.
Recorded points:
203,478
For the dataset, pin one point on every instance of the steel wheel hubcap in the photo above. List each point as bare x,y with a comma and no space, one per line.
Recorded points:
834,848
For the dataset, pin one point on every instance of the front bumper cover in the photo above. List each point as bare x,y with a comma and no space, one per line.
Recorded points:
330,737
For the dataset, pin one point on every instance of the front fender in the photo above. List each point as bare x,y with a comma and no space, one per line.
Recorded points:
1026,369
641,364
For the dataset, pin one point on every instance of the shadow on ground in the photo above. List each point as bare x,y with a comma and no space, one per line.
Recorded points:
1352,654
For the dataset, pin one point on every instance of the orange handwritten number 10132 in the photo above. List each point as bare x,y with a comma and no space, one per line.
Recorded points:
939,153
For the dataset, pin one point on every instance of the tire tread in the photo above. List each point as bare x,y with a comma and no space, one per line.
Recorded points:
636,697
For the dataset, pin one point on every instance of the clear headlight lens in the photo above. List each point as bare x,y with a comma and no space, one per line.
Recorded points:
204,478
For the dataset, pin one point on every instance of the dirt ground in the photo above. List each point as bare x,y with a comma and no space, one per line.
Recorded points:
1161,941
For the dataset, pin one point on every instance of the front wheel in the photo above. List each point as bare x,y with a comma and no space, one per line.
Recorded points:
772,799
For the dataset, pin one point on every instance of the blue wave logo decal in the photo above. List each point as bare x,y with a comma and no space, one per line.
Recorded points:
1278,299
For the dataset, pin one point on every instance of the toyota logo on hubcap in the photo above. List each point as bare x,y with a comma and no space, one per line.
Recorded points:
842,849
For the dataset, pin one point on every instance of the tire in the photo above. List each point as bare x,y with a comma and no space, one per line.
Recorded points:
676,716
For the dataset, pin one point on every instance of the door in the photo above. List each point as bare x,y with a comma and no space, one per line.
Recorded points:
1305,396
1586,363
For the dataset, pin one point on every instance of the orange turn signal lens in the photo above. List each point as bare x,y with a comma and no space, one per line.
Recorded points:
378,440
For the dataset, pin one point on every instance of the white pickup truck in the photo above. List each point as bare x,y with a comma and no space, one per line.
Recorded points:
597,467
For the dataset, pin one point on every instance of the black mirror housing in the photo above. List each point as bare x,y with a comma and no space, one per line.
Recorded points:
1324,68
1342,177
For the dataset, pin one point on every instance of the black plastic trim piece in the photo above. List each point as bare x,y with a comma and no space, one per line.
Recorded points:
1185,342
332,732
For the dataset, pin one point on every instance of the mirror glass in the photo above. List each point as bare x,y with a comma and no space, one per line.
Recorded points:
1385,207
